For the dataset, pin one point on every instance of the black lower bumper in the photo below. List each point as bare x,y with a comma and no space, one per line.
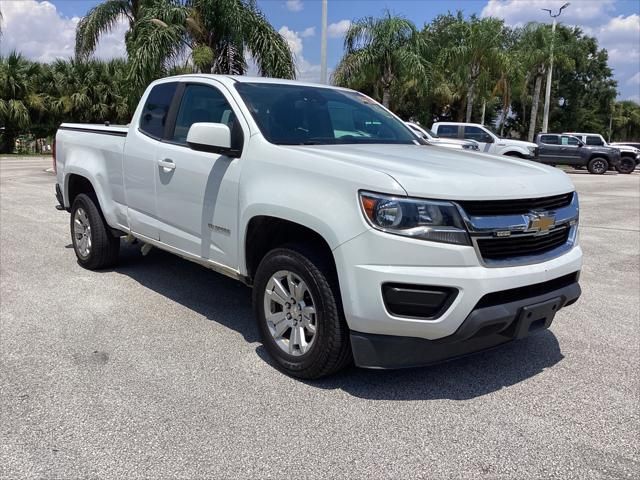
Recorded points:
488,325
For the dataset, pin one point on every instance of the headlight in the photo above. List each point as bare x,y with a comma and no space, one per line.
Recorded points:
411,217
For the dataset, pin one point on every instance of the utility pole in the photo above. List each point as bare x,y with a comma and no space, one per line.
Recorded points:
547,94
323,44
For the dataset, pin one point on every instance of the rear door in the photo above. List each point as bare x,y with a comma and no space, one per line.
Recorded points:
550,150
197,192
139,161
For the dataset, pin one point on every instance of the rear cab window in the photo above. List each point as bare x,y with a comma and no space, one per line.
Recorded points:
156,109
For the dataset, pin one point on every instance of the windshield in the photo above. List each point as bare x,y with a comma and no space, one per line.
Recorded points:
301,115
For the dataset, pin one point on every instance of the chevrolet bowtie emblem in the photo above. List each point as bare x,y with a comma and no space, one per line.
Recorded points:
540,223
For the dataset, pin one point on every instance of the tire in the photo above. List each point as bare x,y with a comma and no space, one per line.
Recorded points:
626,166
598,166
327,345
88,229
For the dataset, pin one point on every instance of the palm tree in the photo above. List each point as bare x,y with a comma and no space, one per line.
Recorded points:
216,35
102,19
534,50
387,48
17,97
477,52
91,91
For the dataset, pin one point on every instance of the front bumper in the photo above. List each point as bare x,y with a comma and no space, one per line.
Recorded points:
489,324
374,259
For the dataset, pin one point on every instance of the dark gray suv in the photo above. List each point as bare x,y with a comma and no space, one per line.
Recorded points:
557,149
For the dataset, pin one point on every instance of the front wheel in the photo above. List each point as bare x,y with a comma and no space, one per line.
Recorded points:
94,245
598,166
297,305
627,165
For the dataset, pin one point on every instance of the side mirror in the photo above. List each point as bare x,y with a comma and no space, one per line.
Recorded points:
211,137
487,139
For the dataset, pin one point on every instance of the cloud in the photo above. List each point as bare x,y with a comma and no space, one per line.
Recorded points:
306,70
38,31
308,32
517,12
294,5
338,29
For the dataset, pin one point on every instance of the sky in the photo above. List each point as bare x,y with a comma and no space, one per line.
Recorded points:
45,30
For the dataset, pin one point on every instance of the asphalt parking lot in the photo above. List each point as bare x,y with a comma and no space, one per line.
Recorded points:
154,369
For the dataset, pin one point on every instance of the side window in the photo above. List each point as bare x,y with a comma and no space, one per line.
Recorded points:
448,131
549,139
569,140
156,108
477,134
593,140
201,103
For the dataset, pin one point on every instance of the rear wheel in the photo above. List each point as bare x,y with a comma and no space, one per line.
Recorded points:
297,304
627,165
598,165
94,245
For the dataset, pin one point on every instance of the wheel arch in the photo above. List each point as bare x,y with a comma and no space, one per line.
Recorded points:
266,232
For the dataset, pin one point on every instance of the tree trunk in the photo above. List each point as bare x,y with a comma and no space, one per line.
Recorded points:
484,109
472,87
7,141
386,95
534,107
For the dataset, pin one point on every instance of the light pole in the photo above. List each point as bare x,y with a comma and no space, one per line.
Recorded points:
547,94
323,44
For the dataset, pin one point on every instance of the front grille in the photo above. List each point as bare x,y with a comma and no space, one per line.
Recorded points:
519,245
515,207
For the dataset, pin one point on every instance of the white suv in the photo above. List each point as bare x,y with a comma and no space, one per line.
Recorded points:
489,142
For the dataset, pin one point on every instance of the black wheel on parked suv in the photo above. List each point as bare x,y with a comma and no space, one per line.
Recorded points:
627,165
297,304
93,243
598,165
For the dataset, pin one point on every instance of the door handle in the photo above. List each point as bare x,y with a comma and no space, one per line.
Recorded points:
167,164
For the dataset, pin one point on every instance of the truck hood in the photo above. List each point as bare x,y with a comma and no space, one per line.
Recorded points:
624,148
515,143
438,172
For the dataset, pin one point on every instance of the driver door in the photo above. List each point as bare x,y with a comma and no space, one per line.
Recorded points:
571,150
196,191
479,135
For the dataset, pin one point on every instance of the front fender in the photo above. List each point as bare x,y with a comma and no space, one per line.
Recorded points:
313,191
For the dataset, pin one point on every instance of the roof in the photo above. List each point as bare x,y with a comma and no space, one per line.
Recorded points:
248,79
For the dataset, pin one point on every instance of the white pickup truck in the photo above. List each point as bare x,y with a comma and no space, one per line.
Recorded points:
360,243
488,141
